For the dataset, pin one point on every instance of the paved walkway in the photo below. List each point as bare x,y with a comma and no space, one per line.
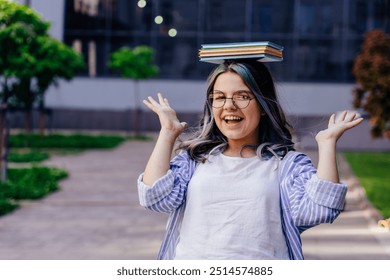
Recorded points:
96,215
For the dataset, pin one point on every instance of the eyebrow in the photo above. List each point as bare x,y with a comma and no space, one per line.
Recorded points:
237,91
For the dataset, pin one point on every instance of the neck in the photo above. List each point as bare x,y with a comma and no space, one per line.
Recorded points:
240,151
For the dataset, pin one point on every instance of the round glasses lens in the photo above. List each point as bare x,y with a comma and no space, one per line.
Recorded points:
217,100
241,103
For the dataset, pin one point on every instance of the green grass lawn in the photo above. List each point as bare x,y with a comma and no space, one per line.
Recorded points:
373,171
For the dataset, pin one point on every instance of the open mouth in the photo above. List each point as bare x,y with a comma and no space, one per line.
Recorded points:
232,119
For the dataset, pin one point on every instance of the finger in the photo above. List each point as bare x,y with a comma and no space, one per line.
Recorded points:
350,117
341,117
354,123
160,98
184,124
152,101
166,102
150,106
331,119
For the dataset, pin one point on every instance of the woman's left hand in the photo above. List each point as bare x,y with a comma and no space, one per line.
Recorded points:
337,127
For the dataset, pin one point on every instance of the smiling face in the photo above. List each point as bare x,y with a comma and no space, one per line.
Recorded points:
239,126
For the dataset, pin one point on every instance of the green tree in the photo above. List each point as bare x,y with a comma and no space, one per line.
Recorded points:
54,61
372,72
136,64
30,61
19,26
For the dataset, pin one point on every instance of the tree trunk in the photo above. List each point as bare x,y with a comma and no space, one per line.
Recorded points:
29,106
3,142
28,120
42,122
137,109
42,118
4,131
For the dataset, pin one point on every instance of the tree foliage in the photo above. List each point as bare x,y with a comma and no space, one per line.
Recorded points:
372,72
19,29
30,61
54,61
136,63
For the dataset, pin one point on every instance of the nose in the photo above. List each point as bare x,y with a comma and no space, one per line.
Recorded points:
229,104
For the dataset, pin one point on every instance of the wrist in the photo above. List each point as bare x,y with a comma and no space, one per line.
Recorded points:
168,135
325,140
326,146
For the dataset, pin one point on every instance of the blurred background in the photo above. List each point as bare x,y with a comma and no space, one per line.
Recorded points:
321,40
78,70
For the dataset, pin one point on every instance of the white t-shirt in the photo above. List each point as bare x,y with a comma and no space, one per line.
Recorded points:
233,211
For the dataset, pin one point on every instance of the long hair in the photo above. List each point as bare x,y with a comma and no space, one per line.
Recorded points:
274,135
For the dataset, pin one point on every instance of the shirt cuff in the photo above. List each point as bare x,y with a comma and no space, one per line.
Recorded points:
149,195
326,193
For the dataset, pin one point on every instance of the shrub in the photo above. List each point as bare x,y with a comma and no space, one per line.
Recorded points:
32,156
7,205
31,183
65,141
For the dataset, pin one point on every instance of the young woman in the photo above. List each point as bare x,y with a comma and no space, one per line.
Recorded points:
238,190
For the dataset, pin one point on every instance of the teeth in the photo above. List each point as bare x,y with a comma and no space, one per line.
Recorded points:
232,118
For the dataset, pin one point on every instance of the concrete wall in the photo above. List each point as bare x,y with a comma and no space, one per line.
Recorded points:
188,96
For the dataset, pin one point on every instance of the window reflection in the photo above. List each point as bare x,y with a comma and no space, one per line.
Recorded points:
88,7
321,37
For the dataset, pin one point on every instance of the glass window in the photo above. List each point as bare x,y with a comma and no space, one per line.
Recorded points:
86,14
129,15
320,17
179,58
225,16
319,60
306,17
183,14
367,15
358,14
265,21
318,47
382,14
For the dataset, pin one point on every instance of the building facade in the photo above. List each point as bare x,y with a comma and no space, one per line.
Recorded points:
321,37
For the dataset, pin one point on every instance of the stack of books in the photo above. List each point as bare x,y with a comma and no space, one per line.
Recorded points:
263,51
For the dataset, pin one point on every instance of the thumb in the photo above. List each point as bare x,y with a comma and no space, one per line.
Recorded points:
184,124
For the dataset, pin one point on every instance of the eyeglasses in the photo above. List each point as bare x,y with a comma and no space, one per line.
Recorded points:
240,99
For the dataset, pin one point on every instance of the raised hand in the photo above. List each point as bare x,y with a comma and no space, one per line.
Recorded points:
168,119
327,139
337,126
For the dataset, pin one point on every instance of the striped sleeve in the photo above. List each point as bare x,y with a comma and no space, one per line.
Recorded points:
167,193
312,201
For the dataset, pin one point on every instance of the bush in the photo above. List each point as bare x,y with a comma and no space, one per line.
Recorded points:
7,205
31,183
27,156
75,141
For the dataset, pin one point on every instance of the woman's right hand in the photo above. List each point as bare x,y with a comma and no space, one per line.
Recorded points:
170,124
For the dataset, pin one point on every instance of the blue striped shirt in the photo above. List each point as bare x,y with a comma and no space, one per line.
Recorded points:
305,199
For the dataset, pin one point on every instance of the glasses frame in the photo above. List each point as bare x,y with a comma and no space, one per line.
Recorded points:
210,100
